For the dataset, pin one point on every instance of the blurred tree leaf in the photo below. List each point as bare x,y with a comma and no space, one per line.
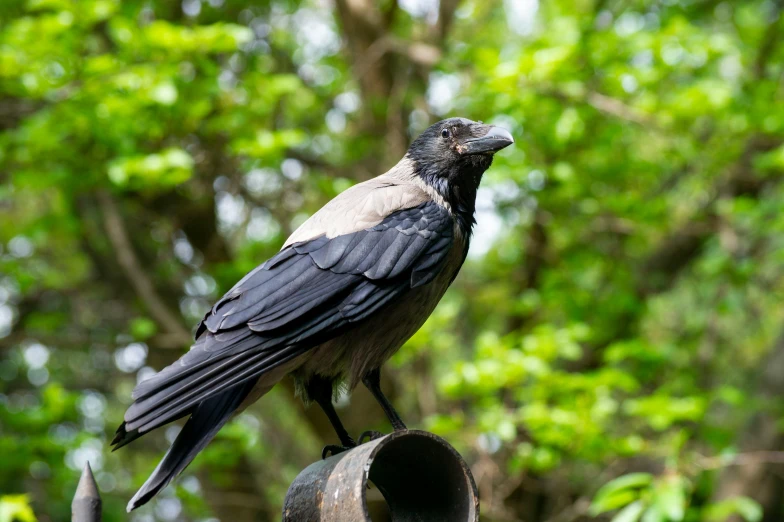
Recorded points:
16,508
619,492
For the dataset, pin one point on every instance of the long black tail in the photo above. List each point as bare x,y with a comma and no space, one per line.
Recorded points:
207,418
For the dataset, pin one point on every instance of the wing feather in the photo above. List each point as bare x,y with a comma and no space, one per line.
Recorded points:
304,295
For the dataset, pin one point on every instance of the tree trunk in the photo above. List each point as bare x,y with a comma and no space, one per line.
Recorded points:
760,479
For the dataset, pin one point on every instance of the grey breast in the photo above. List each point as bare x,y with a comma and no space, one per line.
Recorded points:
370,344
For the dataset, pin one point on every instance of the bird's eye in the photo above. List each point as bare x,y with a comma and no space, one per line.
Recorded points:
444,133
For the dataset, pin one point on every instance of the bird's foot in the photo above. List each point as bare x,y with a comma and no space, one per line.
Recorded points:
335,449
370,435
330,450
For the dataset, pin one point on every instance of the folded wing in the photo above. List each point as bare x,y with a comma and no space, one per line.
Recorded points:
306,294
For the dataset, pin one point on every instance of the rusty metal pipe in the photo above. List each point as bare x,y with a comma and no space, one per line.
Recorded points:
421,477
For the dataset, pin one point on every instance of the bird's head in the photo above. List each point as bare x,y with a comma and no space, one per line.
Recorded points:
452,155
459,142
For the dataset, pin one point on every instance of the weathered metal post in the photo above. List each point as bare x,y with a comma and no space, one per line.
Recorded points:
422,478
86,505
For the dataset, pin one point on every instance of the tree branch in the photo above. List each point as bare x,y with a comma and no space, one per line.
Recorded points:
769,41
116,231
600,102
446,15
682,246
419,53
742,459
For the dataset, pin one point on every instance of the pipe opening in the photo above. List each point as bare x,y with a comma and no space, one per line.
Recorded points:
421,480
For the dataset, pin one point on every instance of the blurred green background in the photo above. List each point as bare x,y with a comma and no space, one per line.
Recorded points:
614,346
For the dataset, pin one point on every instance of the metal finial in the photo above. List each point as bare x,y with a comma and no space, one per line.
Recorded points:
86,505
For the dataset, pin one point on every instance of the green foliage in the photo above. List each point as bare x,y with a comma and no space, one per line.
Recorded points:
619,491
16,508
639,496
170,167
743,506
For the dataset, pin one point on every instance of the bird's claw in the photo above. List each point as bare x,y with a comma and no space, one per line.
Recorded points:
330,450
335,449
370,435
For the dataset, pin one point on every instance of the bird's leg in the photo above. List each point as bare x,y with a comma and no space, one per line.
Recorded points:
372,380
320,390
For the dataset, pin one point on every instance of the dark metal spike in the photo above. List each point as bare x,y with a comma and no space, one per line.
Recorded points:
86,505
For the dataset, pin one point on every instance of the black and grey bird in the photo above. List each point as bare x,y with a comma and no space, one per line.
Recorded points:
347,289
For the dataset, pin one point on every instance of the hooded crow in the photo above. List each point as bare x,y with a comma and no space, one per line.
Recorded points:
347,289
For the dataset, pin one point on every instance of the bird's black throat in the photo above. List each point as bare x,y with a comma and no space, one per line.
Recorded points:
457,182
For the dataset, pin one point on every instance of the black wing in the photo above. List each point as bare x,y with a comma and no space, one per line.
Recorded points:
306,294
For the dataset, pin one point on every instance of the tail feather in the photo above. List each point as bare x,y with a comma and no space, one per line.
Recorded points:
207,418
123,437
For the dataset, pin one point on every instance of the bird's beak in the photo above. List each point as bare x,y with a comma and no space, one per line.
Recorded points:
496,139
